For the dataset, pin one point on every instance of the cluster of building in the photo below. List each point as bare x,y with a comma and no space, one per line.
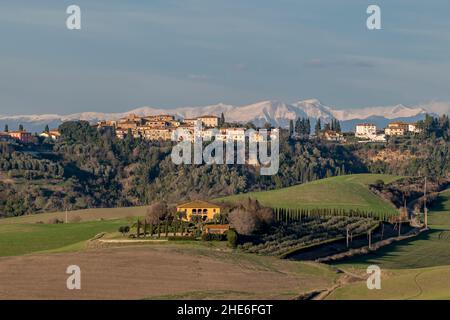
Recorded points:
163,128
27,137
20,135
369,131
154,128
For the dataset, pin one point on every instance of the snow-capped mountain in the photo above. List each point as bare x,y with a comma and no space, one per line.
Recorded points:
275,112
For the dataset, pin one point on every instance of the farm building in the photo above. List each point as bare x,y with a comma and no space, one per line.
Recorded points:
198,208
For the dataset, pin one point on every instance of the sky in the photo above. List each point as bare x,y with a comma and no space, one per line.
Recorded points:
173,53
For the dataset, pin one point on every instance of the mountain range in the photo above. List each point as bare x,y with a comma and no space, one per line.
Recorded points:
276,113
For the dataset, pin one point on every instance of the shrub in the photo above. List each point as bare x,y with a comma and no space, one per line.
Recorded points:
124,229
213,237
55,221
379,183
232,238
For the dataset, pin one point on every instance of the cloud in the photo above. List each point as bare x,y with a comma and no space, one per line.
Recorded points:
339,63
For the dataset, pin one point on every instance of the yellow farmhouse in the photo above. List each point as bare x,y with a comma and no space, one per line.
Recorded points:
204,210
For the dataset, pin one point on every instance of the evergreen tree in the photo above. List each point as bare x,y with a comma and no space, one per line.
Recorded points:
47,129
318,127
338,126
6,128
291,127
222,119
20,127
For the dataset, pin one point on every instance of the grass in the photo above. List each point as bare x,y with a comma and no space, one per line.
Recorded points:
19,239
430,249
343,192
413,269
428,283
84,215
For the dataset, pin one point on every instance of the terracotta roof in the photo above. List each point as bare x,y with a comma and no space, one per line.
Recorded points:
207,116
198,204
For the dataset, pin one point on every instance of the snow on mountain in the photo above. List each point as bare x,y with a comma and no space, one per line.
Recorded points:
391,112
275,112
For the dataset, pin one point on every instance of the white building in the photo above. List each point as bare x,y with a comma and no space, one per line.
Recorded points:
412,127
366,130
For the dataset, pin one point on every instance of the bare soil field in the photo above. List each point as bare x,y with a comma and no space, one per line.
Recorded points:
160,272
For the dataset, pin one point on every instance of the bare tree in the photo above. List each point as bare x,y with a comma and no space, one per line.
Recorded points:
250,216
157,212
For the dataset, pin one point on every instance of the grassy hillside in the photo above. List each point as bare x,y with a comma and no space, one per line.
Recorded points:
343,192
426,283
428,250
414,269
24,234
18,239
81,215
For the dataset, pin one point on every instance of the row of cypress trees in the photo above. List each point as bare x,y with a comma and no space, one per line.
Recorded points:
297,214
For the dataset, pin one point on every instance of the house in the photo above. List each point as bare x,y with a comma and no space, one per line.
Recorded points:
206,121
130,122
160,117
209,121
216,228
107,124
190,121
412,127
365,130
22,136
396,129
121,133
378,138
52,134
158,134
331,135
235,134
199,209
4,136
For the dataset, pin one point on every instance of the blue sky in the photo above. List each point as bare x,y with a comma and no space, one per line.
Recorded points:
171,53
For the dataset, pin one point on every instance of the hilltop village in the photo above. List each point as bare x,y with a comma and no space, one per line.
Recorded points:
162,128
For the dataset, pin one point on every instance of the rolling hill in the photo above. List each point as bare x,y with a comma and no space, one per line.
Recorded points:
430,249
343,192
413,269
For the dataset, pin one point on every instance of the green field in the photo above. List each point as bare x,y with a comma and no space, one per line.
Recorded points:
343,192
430,249
83,215
18,239
414,269
33,233
427,283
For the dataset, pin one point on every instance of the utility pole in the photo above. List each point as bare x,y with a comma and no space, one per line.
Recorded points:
66,215
347,237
